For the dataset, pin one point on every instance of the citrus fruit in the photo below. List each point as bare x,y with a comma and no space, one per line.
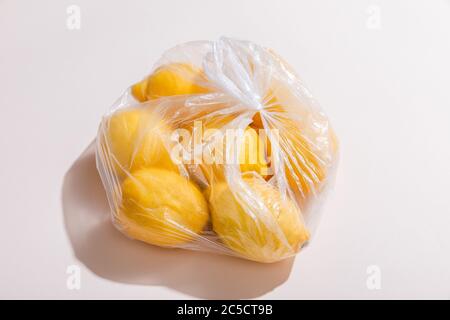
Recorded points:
222,146
161,207
257,221
252,153
244,148
305,163
135,140
170,80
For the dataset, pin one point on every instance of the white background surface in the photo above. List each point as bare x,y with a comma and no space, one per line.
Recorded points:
386,90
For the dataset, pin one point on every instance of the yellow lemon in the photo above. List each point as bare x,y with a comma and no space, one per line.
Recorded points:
135,140
170,80
161,207
222,145
306,166
257,222
249,153
252,153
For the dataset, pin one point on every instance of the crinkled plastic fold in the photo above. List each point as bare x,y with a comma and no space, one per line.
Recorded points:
220,148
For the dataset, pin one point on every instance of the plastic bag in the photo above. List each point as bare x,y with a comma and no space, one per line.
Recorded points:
221,148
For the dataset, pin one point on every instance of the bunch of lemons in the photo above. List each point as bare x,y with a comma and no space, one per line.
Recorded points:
159,205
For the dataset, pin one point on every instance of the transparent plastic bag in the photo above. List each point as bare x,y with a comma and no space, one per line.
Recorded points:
220,148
